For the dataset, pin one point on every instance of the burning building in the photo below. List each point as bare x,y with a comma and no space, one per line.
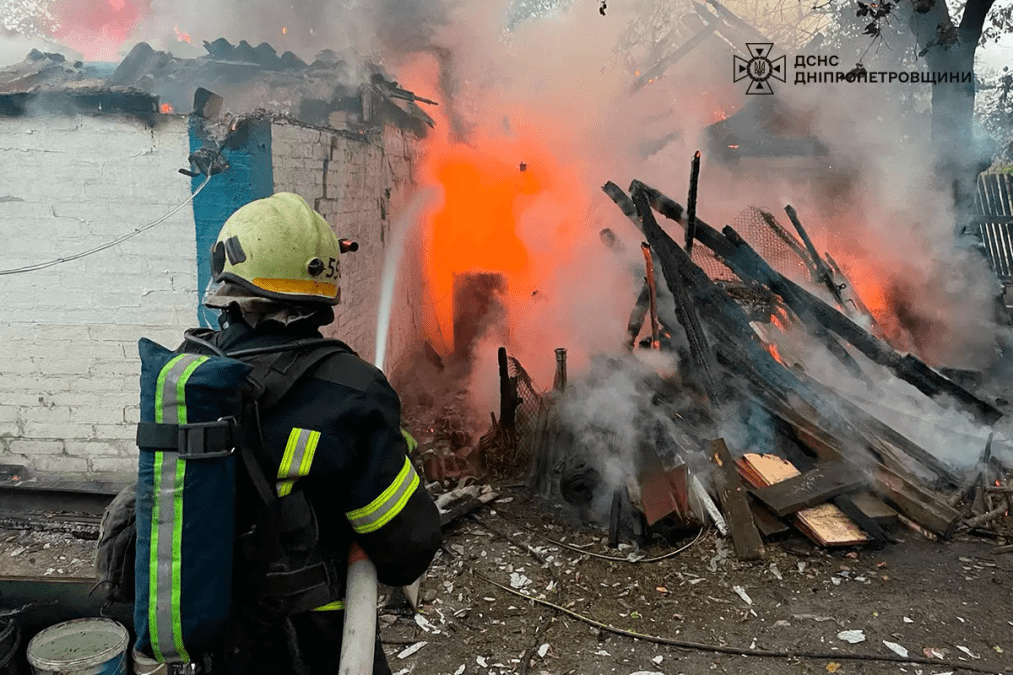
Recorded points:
105,241
511,256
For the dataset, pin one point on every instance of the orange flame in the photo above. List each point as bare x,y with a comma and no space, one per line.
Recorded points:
780,319
182,36
166,108
284,30
490,190
772,348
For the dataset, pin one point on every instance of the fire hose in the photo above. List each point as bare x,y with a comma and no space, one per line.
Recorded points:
358,638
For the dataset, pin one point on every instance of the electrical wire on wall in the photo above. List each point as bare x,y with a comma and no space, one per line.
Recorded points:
103,247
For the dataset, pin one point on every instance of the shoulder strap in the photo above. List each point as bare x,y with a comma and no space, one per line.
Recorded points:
274,374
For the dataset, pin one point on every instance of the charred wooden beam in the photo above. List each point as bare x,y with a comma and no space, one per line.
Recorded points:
745,537
508,399
891,439
659,202
914,502
874,508
694,180
823,273
625,204
724,249
869,525
908,368
673,258
652,290
766,522
638,314
821,483
559,381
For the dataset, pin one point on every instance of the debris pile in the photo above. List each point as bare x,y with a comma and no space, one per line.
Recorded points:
742,434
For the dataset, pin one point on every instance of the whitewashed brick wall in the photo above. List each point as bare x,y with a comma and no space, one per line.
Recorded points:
68,334
352,195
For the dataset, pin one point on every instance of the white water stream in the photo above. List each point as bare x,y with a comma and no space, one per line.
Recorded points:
400,233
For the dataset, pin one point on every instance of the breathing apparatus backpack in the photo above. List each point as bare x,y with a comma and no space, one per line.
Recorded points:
199,439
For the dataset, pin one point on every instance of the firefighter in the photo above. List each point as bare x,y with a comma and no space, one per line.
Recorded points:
335,438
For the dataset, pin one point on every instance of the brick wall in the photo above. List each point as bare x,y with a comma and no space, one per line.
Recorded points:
68,334
358,184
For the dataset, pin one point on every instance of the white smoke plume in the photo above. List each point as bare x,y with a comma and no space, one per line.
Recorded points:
561,73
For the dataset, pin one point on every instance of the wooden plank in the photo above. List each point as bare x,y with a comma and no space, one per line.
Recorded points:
767,523
874,508
913,501
866,524
745,536
825,446
824,482
882,439
825,524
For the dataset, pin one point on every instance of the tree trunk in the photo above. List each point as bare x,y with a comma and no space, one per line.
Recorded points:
950,51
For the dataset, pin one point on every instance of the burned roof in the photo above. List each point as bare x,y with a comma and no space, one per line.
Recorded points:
48,81
764,128
329,92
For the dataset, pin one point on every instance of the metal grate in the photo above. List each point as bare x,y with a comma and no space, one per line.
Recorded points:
994,201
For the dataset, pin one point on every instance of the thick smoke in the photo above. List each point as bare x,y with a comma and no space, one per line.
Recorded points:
560,74
874,202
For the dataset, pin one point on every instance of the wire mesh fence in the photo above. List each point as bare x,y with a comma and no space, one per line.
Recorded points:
532,404
781,249
508,451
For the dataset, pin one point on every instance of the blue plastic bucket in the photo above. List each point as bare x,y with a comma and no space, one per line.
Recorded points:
80,647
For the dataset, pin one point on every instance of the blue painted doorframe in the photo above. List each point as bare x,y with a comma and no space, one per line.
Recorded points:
250,177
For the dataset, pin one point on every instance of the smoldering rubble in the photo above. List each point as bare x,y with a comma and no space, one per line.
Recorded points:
774,405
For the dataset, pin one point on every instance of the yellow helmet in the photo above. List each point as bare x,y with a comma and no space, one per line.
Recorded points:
279,248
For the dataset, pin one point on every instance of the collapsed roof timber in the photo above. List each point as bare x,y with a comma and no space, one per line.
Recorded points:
835,471
330,92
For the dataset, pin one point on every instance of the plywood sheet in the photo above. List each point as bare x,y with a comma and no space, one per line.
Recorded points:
825,524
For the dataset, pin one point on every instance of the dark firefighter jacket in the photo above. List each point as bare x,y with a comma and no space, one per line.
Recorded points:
336,435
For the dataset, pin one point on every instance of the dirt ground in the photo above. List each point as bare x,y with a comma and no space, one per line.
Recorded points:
952,600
